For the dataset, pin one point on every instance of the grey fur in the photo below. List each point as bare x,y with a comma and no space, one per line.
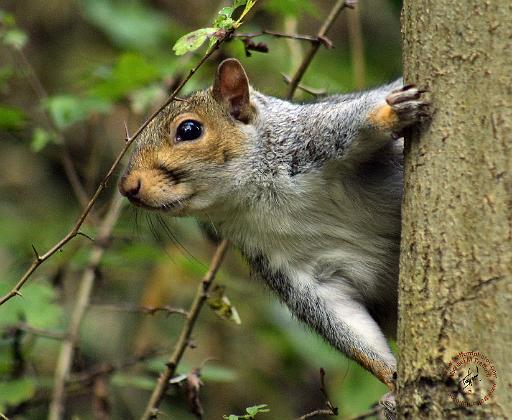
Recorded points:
314,205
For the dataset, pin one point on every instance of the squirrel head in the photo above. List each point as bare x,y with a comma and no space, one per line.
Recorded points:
186,159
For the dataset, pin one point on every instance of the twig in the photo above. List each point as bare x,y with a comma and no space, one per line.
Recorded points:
321,412
15,291
355,38
184,339
74,181
322,32
307,89
322,40
84,293
169,310
331,410
22,326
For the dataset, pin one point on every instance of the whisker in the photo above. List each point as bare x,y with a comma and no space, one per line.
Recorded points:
158,237
171,235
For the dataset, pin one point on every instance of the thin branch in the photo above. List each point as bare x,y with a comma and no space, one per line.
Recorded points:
74,181
321,40
202,293
331,410
322,32
355,38
22,326
312,91
65,358
321,412
74,231
168,310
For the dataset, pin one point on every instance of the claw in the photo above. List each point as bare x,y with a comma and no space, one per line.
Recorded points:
388,402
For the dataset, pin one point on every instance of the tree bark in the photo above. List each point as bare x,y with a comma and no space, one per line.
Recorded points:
455,288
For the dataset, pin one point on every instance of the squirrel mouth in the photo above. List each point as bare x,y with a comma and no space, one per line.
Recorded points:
170,206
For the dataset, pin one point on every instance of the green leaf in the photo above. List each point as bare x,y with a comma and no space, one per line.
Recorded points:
145,383
131,71
238,3
15,38
262,408
248,6
41,138
129,24
224,22
193,40
37,307
219,302
251,412
15,392
11,118
67,110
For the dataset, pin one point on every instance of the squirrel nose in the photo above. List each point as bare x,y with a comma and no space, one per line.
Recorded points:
130,186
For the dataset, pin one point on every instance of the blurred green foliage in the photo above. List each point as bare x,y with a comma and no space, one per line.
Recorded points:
93,64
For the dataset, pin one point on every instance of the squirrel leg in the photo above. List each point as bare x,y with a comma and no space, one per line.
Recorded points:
403,108
349,327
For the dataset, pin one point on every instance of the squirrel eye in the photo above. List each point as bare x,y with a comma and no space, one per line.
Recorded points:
189,130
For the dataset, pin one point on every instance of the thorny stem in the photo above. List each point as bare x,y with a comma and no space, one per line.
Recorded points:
322,412
151,411
65,358
55,335
151,310
311,38
15,291
322,32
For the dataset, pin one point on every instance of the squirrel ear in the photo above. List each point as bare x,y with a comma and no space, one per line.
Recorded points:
231,88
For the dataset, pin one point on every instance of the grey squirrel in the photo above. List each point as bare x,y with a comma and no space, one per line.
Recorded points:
310,194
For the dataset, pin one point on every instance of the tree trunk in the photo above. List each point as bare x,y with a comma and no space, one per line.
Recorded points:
456,253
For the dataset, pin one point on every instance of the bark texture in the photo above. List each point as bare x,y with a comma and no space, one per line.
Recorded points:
456,252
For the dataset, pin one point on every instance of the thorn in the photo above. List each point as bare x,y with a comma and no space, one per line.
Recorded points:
85,235
18,293
127,138
180,99
326,42
38,257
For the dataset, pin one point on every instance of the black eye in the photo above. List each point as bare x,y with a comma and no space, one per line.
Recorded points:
189,130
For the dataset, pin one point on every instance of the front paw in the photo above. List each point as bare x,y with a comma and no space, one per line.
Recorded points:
403,108
408,106
388,404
